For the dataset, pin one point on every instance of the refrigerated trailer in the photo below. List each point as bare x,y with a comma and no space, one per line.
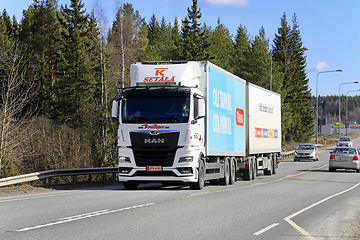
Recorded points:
187,122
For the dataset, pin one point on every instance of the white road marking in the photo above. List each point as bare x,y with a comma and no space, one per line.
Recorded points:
287,219
266,229
82,216
39,196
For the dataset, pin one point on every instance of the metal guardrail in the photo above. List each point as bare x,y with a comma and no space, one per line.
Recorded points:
55,173
71,172
287,154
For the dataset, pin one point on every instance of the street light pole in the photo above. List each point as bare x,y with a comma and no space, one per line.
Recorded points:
317,102
288,50
346,112
340,105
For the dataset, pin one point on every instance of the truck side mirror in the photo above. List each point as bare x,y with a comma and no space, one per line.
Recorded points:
201,112
115,109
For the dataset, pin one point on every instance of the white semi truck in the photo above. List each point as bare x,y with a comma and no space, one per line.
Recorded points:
187,122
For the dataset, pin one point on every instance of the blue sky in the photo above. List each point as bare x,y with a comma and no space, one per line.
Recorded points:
330,28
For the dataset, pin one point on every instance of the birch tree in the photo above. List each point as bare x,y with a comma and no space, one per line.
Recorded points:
17,92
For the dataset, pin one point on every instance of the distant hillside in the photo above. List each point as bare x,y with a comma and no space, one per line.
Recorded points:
329,108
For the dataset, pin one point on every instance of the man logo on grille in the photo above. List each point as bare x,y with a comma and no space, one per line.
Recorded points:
154,140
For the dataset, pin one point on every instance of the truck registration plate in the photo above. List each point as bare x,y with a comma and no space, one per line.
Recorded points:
153,168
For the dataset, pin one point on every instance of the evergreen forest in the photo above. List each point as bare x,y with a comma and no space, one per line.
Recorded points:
61,68
329,108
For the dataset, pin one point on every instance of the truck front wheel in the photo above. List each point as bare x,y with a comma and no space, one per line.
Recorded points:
201,178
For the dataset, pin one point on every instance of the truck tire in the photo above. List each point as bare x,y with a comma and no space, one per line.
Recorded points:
232,171
274,165
267,171
130,185
248,173
201,178
254,169
225,180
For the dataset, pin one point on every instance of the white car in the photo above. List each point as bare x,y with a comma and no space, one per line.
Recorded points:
306,151
344,142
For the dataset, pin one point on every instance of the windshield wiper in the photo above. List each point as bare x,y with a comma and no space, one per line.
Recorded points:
136,119
171,119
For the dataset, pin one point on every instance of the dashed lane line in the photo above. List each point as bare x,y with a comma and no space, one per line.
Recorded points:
82,216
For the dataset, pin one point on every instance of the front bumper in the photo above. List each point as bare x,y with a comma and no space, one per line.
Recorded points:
168,174
179,172
344,145
304,157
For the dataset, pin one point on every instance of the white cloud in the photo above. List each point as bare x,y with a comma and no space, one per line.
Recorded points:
228,2
320,66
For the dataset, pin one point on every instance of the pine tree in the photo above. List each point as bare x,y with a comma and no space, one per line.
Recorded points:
241,55
74,74
167,46
161,43
193,47
39,31
281,55
6,21
305,120
260,60
153,31
4,30
221,47
175,36
297,120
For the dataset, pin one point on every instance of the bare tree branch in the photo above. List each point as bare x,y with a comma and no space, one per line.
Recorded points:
17,95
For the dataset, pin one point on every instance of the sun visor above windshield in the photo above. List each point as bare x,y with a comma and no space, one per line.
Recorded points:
186,73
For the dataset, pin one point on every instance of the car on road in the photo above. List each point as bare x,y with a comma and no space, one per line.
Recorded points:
306,151
344,158
344,141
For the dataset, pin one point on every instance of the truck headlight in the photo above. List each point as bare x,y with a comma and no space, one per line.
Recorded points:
185,159
124,159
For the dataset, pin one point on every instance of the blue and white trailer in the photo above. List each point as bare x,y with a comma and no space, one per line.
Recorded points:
189,122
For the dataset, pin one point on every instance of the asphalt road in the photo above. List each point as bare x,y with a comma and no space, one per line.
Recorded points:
302,201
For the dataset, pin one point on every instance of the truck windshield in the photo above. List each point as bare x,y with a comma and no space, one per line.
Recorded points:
155,105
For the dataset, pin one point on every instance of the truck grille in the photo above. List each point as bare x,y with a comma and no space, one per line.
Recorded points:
150,149
146,156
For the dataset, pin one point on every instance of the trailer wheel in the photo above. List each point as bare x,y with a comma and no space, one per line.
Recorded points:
232,171
274,165
248,173
267,171
225,180
130,185
201,178
254,170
